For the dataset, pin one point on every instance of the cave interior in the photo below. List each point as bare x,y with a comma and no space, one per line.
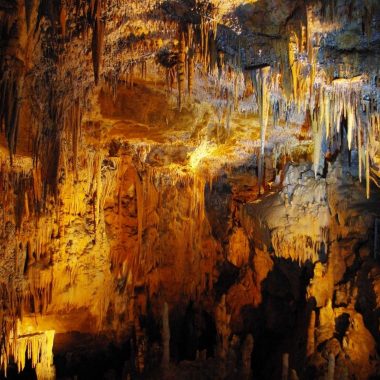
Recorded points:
189,189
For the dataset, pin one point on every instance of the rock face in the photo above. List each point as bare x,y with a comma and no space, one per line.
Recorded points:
188,189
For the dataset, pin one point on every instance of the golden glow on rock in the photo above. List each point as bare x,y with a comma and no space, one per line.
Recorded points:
27,343
170,152
203,151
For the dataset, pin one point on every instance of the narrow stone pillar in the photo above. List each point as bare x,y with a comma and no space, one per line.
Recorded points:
285,366
310,348
331,367
246,355
140,346
293,375
165,336
222,319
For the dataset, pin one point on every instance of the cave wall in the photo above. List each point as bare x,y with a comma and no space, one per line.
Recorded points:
220,157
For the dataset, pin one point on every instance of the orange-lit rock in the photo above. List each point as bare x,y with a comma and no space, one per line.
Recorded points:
215,160
238,249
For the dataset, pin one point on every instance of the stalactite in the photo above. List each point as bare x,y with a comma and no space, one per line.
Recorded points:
190,72
37,347
11,89
368,183
22,185
97,36
318,138
350,126
73,122
334,102
181,69
63,18
28,4
360,152
260,79
293,64
140,213
49,158
299,248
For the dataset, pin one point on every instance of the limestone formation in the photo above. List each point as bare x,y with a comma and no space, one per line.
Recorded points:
285,367
165,336
220,157
246,356
311,334
331,367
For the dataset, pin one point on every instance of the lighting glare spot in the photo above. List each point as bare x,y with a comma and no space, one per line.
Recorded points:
204,150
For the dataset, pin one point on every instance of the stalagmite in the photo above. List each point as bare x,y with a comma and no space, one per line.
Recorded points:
310,348
246,356
331,367
285,367
293,375
165,336
222,319
141,347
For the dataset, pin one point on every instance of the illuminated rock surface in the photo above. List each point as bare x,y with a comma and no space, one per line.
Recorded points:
189,189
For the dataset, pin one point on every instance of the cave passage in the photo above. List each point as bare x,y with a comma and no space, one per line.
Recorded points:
189,189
